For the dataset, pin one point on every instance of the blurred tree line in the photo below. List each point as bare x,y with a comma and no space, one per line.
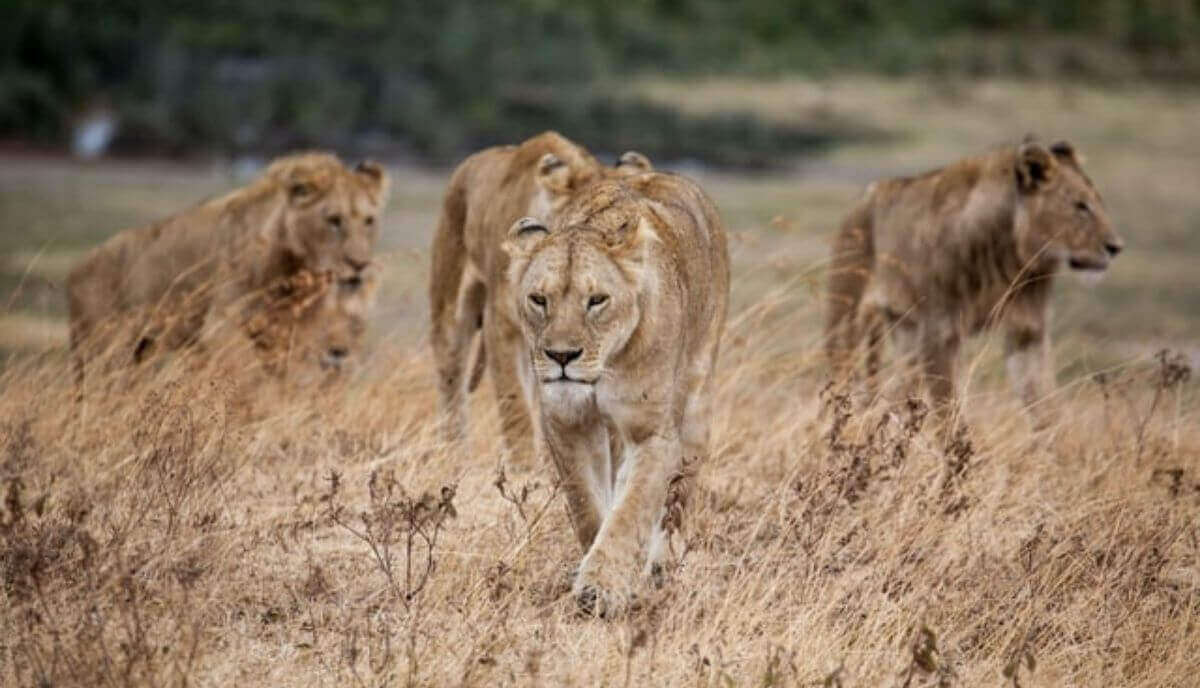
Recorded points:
442,77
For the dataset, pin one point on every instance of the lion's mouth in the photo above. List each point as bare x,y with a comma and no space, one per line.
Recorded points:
1087,262
564,379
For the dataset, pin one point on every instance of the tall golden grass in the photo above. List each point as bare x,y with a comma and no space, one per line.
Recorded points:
163,537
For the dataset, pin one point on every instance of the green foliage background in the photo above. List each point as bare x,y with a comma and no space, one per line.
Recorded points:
440,78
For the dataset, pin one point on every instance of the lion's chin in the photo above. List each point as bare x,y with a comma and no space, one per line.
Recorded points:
567,395
1087,262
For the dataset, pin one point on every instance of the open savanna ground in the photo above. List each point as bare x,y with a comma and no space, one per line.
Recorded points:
180,526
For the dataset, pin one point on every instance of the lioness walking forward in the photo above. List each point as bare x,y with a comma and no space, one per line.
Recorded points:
486,194
934,258
622,304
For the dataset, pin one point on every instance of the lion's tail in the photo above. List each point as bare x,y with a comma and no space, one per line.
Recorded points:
849,273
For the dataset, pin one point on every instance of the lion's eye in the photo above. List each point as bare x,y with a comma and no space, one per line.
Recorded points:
1083,207
370,220
537,300
597,300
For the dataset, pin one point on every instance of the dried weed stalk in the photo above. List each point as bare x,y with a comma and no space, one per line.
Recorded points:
393,523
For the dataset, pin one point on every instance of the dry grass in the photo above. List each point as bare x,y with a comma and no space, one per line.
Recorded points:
334,541
162,534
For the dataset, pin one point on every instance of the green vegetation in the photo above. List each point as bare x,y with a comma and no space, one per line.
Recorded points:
438,79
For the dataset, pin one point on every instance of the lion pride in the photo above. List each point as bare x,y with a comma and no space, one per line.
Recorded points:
621,303
934,258
467,291
157,286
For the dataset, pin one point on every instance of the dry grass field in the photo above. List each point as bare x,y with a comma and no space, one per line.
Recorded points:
185,526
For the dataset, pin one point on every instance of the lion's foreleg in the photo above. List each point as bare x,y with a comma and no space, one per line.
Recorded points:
939,357
608,574
583,465
453,331
1027,360
872,322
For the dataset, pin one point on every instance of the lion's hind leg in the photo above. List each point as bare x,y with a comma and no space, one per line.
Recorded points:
873,322
454,330
511,374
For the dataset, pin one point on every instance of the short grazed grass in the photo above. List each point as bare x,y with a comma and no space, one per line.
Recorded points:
182,526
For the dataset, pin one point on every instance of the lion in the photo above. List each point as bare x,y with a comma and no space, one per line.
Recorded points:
311,319
622,304
304,334
486,194
935,258
167,280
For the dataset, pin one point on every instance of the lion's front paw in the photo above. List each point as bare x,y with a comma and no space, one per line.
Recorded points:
605,604
604,596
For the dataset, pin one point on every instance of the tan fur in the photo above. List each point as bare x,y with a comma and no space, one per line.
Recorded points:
622,304
160,284
935,258
486,194
311,319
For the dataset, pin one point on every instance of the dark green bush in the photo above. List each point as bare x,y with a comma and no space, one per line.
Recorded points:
439,78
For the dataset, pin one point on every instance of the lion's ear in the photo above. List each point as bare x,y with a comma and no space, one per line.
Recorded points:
633,162
1035,167
553,174
640,233
375,176
632,244
524,235
302,184
1067,153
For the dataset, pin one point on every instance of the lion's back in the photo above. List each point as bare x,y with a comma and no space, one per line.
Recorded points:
140,265
929,231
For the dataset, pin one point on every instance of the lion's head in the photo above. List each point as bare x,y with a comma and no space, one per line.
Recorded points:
331,217
337,331
1060,215
577,292
312,319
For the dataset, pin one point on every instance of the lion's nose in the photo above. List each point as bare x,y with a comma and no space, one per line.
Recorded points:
335,356
1114,247
358,264
564,357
